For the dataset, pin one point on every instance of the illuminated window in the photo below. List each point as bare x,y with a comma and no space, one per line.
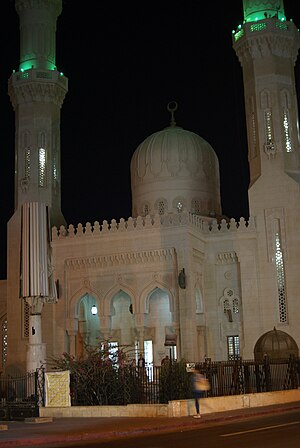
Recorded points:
235,305
179,206
286,131
279,263
226,305
233,347
268,126
113,348
258,26
254,139
27,163
4,341
55,167
42,167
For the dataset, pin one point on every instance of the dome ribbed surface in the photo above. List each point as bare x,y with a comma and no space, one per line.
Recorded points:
172,163
275,344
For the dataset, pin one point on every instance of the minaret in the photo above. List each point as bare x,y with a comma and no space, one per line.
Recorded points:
37,92
267,46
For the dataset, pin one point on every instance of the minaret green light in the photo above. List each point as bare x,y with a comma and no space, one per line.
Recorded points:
255,10
37,33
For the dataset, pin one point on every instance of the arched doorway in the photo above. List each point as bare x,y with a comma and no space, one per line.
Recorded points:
122,320
158,323
88,324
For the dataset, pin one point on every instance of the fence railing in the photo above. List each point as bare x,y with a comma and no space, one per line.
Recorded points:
173,382
242,377
21,396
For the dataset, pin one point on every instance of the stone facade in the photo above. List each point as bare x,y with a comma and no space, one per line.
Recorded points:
177,270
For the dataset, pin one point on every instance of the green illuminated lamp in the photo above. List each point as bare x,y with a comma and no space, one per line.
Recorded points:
34,62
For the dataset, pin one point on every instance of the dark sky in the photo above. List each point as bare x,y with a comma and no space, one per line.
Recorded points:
125,62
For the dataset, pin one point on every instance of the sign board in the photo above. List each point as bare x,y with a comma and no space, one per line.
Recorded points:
170,340
57,385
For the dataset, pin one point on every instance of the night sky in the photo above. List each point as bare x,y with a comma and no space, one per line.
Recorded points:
125,62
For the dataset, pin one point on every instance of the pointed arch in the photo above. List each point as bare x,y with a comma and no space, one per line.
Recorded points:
146,293
79,294
108,298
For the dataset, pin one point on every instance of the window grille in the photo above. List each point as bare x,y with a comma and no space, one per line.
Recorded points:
179,206
55,167
196,206
42,167
4,341
25,319
161,207
235,305
258,26
233,347
254,142
226,305
286,131
27,163
268,126
279,263
146,209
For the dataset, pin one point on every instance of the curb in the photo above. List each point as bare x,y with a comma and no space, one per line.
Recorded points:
121,434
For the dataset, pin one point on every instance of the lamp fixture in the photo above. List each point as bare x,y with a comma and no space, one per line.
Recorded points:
94,310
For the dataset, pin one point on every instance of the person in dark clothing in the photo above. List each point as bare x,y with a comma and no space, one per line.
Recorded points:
141,361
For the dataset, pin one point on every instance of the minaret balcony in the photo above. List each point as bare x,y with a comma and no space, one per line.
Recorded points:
286,28
39,75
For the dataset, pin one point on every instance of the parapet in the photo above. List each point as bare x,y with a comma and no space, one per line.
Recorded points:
202,224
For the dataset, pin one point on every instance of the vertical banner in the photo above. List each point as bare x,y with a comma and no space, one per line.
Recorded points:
36,269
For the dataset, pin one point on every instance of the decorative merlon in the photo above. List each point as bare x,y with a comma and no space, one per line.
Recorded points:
205,226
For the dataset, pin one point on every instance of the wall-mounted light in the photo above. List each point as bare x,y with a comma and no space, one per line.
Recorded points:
181,279
94,310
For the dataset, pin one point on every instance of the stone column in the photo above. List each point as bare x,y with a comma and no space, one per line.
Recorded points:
72,330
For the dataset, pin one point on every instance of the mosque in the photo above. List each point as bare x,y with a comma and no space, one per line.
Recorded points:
177,278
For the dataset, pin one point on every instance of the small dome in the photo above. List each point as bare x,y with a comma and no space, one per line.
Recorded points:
175,170
275,344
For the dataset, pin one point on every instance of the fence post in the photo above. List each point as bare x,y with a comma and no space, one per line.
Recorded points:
266,364
293,372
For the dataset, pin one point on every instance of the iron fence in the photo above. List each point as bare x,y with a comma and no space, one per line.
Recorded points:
243,377
21,395
153,385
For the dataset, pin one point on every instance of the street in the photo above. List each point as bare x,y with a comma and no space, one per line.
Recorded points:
271,431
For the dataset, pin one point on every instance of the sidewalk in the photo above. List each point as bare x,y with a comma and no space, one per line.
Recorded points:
44,431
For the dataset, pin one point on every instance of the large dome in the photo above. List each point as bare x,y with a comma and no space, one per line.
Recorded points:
175,170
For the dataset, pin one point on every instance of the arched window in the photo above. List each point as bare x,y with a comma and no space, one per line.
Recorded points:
42,159
161,206
196,206
146,209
